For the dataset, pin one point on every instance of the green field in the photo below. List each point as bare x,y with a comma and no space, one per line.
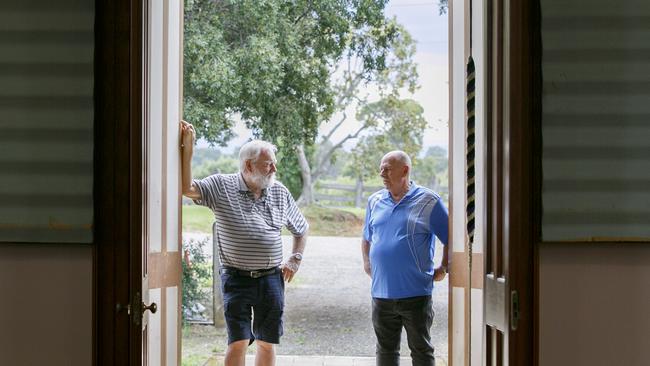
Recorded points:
323,221
197,219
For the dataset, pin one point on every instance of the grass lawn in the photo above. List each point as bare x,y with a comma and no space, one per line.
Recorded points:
323,221
197,219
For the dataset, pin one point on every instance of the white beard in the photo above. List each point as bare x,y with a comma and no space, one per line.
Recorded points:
263,181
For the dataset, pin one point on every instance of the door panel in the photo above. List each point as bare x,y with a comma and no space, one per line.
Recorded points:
511,222
161,241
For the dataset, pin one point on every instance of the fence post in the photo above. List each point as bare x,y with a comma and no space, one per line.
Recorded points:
217,296
358,193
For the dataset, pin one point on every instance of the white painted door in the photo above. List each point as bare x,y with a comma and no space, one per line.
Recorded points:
161,267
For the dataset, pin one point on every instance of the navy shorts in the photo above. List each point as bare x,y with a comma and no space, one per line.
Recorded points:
259,301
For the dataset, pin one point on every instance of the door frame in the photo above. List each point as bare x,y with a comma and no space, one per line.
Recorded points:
117,180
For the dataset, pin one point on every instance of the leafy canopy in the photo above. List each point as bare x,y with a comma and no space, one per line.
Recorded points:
398,124
268,62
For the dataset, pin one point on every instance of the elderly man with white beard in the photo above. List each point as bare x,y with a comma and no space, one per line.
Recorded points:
250,209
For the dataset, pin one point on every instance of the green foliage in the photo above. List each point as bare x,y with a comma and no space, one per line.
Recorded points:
268,62
197,274
194,360
324,221
432,171
202,154
223,165
398,124
398,71
288,168
197,219
320,223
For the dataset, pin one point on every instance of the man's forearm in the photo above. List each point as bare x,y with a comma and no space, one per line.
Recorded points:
365,250
445,257
299,243
365,253
186,168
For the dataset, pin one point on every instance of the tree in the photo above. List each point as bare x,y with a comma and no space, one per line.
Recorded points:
222,165
431,170
268,63
399,125
397,71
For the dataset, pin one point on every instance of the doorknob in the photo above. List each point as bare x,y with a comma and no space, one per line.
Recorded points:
153,307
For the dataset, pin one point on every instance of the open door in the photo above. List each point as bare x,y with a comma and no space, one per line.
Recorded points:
510,225
494,210
161,234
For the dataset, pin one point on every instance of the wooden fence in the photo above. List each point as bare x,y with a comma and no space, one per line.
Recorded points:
352,195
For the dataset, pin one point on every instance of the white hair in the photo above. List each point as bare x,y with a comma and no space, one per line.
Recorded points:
252,150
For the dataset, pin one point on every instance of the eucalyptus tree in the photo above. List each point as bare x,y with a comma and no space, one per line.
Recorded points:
399,125
358,86
285,67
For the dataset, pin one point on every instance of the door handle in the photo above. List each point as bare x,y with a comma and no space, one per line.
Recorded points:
153,307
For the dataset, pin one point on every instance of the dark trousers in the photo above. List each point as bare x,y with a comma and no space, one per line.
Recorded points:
415,314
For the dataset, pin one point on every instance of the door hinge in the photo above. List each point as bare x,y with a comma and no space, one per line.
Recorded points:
514,310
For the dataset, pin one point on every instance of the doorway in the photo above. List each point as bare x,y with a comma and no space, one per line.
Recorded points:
337,191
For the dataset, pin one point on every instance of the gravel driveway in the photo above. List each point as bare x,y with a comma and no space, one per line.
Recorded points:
328,304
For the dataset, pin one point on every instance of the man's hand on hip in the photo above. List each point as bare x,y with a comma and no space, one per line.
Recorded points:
289,268
439,274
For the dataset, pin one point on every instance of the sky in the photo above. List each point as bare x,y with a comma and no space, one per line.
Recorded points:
429,29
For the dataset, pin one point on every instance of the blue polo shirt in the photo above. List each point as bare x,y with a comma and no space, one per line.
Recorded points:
402,241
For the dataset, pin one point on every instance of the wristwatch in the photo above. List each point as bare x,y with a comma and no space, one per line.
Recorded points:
298,256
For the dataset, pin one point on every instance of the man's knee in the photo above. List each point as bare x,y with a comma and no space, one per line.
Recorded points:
238,346
265,346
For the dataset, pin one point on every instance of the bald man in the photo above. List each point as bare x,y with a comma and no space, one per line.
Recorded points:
398,245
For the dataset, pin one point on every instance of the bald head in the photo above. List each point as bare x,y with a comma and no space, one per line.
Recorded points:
398,157
395,171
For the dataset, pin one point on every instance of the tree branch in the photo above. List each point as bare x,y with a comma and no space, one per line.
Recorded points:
326,156
338,124
304,14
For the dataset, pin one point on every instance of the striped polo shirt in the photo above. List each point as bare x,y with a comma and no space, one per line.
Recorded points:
248,230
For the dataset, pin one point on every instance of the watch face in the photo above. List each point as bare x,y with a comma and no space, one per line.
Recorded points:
298,256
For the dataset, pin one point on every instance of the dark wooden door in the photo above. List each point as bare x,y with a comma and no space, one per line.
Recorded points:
511,209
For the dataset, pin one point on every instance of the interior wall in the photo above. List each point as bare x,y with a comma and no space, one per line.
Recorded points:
594,297
46,307
594,302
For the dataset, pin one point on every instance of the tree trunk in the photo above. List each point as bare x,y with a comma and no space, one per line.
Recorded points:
307,195
358,196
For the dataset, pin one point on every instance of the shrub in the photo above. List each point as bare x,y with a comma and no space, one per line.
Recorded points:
197,275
